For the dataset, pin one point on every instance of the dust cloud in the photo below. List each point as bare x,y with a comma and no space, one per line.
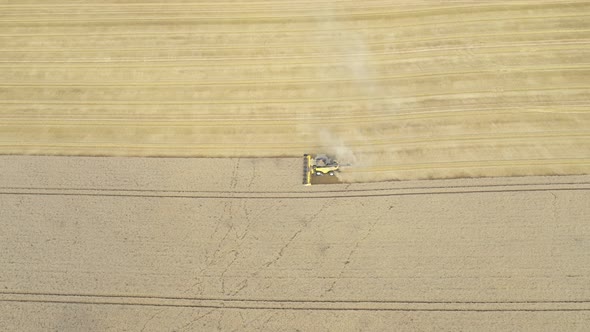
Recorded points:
344,143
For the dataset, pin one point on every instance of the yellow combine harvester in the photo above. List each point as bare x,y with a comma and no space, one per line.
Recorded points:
318,165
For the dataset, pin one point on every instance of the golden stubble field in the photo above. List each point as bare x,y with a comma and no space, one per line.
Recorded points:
430,90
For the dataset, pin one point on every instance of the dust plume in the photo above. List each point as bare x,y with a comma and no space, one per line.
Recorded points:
350,144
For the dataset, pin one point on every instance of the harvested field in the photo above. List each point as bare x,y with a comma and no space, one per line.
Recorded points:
238,244
94,238
433,90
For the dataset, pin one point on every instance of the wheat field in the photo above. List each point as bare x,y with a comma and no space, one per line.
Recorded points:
402,91
205,244
215,232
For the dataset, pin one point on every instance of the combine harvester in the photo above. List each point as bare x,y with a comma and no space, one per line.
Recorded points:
318,165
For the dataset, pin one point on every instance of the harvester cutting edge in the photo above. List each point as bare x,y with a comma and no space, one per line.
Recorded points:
306,170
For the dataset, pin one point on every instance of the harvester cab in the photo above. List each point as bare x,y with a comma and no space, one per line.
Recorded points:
322,165
318,165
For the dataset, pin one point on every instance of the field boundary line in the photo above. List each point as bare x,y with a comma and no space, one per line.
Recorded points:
259,304
284,195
